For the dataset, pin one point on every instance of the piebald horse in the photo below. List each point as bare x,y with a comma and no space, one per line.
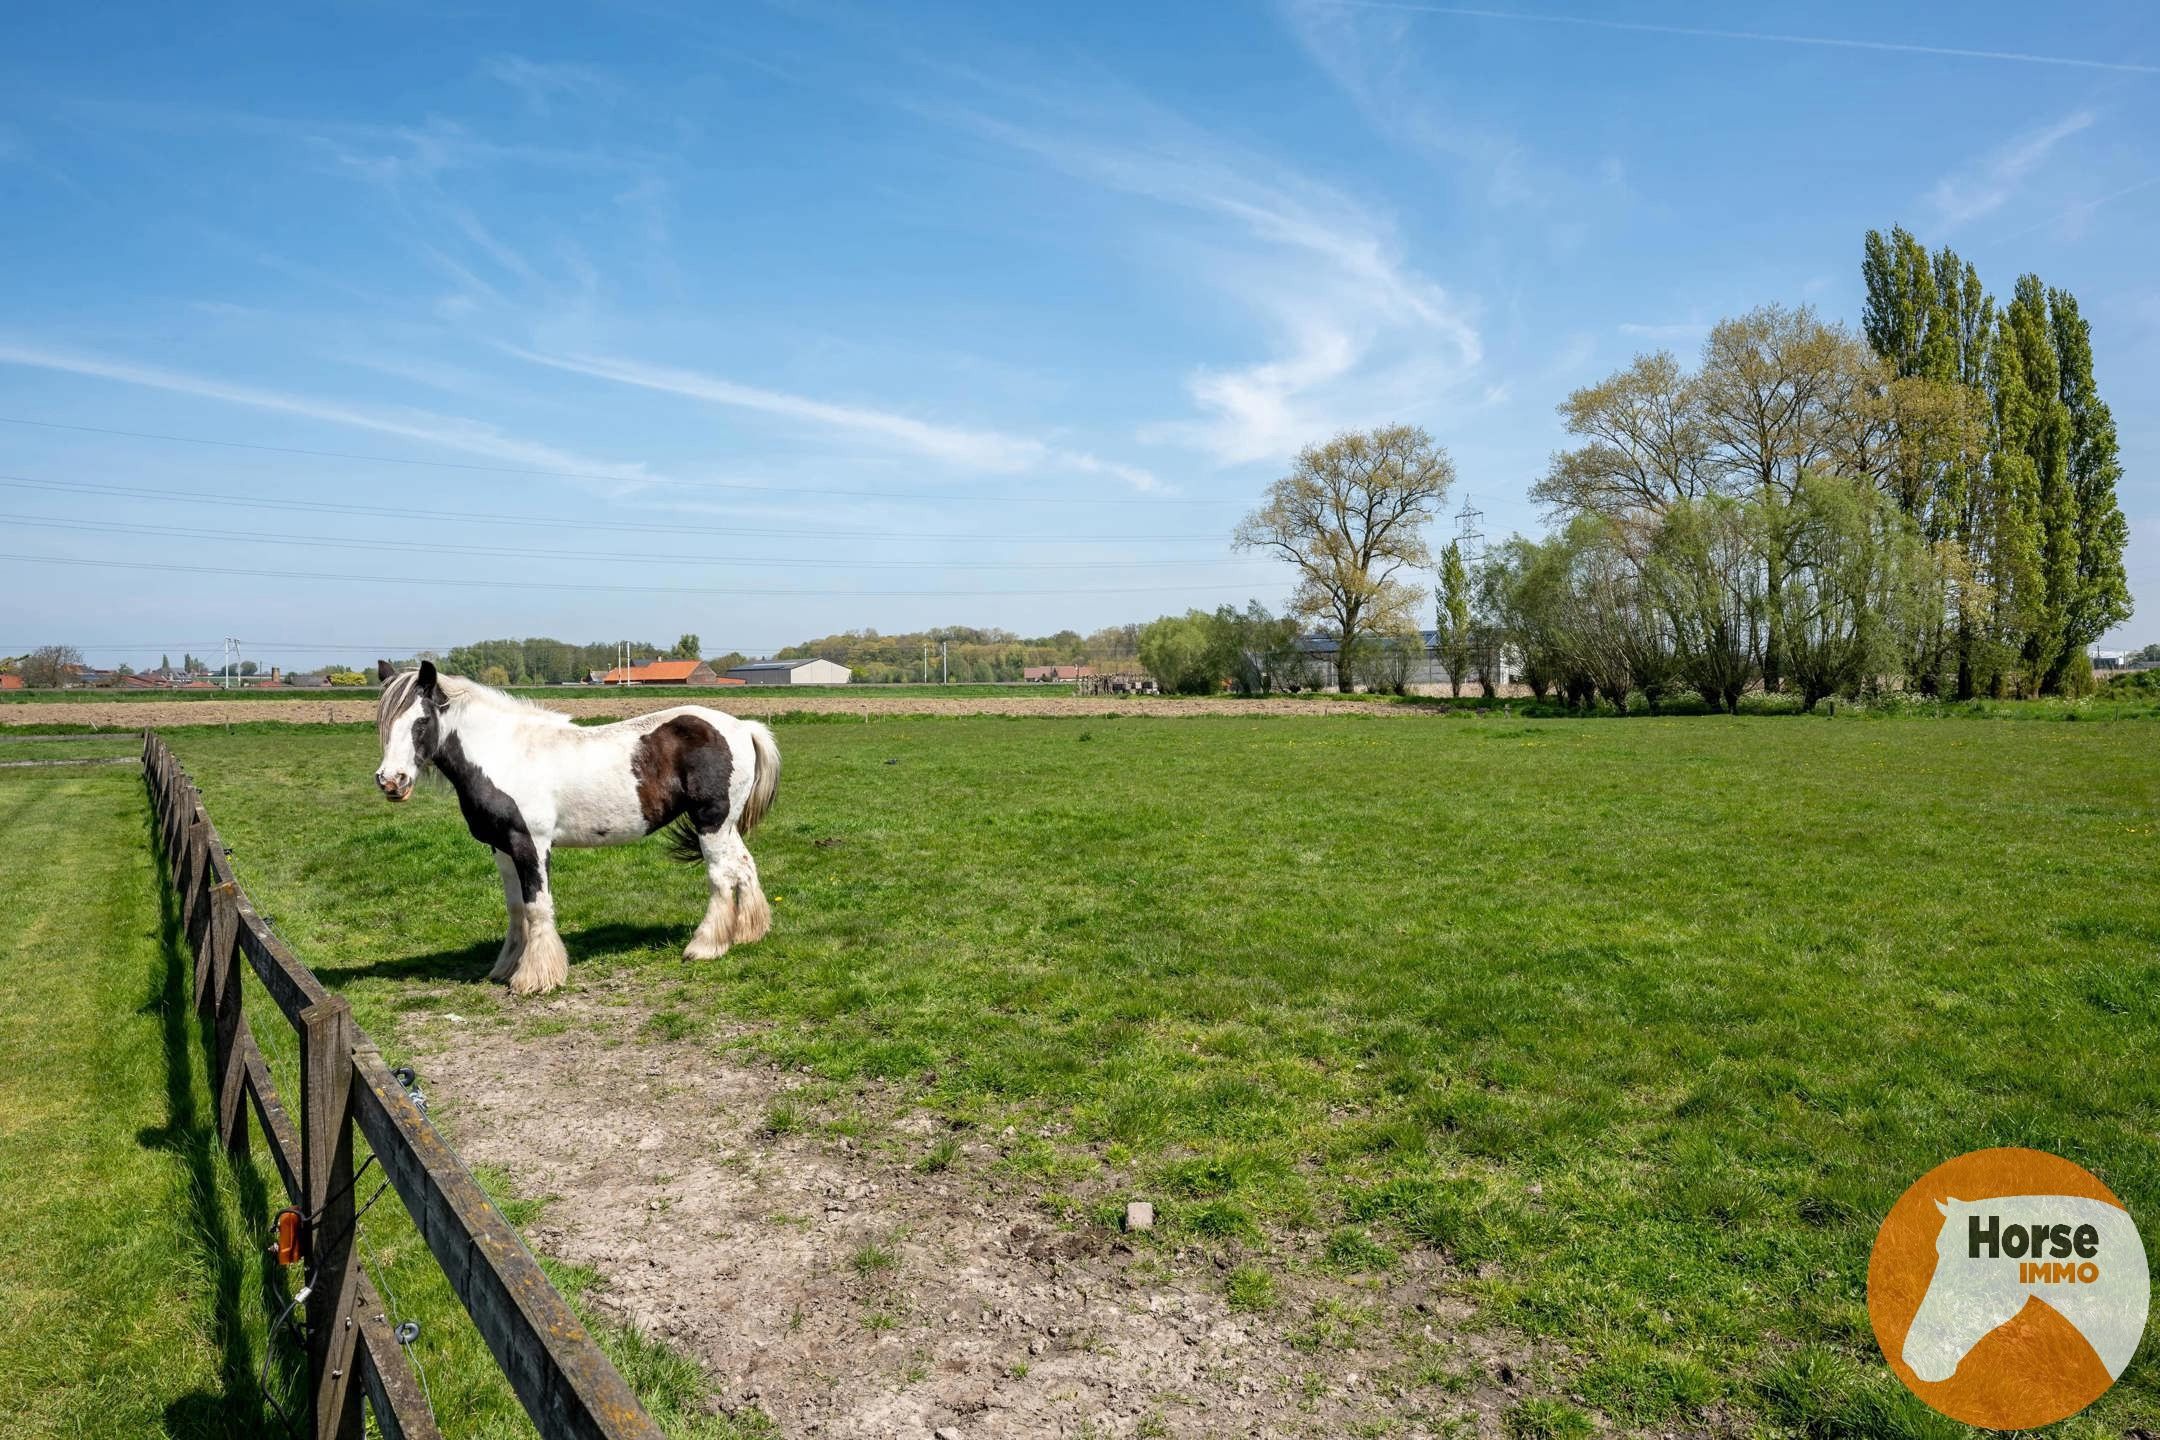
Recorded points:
528,780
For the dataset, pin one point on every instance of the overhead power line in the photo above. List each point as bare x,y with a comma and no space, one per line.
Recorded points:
569,522
926,494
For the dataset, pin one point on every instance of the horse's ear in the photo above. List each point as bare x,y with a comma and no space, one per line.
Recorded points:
383,671
427,676
1944,1206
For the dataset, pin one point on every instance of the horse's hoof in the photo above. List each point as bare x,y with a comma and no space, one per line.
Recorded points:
695,951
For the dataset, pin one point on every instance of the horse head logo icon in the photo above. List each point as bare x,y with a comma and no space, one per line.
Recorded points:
2020,1255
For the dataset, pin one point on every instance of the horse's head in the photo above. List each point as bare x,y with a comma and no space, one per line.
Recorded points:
409,721
1965,1300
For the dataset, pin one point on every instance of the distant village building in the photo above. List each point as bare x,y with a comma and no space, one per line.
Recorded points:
1045,674
664,672
791,672
11,681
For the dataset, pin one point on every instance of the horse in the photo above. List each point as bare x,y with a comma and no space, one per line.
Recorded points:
2079,1256
528,780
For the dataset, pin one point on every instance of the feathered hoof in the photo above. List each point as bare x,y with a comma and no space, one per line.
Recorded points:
699,949
753,917
544,966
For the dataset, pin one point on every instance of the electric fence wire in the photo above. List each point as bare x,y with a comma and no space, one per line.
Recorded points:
406,1331
270,1337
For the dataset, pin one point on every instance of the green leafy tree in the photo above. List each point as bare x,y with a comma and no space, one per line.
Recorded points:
1181,653
1351,516
1453,630
686,648
1776,388
2099,593
1644,447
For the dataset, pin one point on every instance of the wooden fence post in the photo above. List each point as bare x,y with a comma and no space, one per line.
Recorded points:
194,856
326,1166
221,999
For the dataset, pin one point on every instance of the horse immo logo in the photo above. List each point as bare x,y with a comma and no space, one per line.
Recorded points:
2008,1288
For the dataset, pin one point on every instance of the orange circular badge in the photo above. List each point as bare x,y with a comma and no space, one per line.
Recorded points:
2008,1288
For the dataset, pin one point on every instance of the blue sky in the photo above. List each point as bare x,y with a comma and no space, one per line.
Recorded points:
770,320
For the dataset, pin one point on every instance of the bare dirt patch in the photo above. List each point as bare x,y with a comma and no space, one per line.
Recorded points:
835,1284
151,714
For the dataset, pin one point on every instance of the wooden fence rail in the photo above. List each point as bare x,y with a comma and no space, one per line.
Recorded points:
567,1386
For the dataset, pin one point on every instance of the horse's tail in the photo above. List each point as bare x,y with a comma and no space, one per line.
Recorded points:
765,780
684,844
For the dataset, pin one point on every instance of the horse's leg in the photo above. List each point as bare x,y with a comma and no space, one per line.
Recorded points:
513,946
545,964
724,853
753,914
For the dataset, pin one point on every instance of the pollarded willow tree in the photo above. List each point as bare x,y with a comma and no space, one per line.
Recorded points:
1351,516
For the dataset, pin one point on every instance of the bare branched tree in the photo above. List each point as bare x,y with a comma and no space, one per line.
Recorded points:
46,668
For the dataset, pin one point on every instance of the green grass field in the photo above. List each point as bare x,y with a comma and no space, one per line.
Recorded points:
133,1299
1643,1025
131,1302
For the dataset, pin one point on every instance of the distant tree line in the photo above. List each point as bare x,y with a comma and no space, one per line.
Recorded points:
970,655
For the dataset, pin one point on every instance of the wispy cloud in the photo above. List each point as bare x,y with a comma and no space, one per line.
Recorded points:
467,436
542,83
1371,57
1358,332
1986,186
1834,42
2072,220
993,451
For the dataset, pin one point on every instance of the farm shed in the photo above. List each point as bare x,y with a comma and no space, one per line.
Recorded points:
1425,668
664,672
791,672
1043,674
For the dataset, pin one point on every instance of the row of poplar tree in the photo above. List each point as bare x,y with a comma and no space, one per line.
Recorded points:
1927,504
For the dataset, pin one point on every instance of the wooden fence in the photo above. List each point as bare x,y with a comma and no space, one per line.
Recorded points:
566,1385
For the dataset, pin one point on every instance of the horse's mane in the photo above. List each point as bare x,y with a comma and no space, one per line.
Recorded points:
461,692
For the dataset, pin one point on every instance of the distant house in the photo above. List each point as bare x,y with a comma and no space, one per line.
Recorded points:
1045,674
11,681
791,672
664,672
